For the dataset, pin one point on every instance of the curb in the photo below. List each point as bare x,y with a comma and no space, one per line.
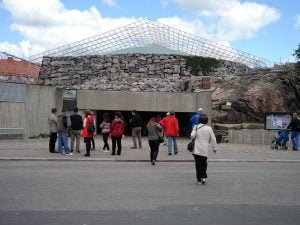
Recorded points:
143,160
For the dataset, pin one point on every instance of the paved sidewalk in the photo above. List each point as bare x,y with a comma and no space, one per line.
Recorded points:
37,149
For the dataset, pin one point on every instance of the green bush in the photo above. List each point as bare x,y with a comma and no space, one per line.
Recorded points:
201,64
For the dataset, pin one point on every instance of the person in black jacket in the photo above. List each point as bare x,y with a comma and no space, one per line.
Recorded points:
136,125
76,127
294,126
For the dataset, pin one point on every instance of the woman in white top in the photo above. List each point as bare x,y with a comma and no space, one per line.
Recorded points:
204,138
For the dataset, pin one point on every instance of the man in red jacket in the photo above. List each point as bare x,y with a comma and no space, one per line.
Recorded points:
172,130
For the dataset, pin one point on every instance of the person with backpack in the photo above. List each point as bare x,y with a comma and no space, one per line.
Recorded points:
105,126
117,133
294,126
88,130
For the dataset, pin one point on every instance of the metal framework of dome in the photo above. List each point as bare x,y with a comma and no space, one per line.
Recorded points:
148,33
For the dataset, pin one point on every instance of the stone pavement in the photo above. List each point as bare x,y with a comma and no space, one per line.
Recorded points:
37,149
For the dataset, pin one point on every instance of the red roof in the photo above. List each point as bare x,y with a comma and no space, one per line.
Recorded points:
12,67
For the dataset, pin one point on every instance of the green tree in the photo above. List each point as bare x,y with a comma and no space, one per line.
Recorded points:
297,55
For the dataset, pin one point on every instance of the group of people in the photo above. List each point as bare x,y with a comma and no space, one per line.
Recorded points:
283,137
78,127
60,129
159,130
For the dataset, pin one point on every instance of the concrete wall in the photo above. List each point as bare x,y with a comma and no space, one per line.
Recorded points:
144,101
39,101
12,115
247,136
31,115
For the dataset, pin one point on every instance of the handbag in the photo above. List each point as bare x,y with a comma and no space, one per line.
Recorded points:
160,140
160,136
191,145
91,128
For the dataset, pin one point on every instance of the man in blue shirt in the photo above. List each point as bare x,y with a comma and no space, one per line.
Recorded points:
195,118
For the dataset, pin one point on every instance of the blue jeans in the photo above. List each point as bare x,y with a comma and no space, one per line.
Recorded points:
63,139
295,139
172,142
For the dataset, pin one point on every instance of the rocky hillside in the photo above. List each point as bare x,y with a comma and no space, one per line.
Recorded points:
252,96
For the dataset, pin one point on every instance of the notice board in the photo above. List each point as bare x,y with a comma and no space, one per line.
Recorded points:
277,121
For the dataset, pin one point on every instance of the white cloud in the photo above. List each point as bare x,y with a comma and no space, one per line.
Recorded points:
23,49
206,6
297,22
233,19
109,3
245,20
48,24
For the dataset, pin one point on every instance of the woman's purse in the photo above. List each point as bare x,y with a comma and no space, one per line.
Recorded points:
160,136
191,146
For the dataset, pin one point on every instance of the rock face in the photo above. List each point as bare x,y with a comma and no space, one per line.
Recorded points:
130,72
251,93
254,95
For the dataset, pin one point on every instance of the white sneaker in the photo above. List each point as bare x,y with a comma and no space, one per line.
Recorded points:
70,153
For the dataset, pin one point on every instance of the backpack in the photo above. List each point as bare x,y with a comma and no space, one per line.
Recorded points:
91,128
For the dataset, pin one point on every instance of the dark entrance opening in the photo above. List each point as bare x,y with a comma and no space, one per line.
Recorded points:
185,126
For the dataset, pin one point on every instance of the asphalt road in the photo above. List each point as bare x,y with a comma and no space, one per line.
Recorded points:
138,193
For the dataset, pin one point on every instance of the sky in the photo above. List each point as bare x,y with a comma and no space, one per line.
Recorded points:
266,28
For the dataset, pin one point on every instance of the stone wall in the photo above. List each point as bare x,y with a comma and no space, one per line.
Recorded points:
128,72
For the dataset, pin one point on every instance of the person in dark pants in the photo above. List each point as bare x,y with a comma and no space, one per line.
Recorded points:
294,126
88,120
105,126
76,127
154,129
92,139
204,136
52,121
136,125
117,133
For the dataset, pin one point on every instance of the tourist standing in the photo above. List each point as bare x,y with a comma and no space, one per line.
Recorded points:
153,129
76,127
172,129
204,136
62,129
117,133
52,122
92,139
87,134
105,126
136,125
294,126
